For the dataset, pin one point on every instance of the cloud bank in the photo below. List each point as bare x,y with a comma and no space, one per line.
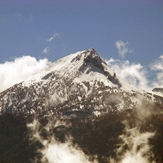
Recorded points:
122,48
20,69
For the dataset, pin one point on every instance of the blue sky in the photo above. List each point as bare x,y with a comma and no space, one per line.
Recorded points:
125,30
27,25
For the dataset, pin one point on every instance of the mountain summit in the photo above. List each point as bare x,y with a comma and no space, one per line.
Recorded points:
80,84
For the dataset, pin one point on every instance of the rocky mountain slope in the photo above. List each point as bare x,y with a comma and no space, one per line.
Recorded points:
80,84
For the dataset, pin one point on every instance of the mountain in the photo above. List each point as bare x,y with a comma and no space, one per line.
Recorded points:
79,110
80,84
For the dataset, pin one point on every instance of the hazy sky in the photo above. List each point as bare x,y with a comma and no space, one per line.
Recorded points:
55,28
127,33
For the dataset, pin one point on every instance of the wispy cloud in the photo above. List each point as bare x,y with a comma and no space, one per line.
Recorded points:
54,151
135,145
123,48
55,35
46,50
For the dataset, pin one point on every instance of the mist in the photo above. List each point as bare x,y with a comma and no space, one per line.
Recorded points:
135,145
55,150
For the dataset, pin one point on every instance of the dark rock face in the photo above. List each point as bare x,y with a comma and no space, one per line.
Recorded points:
158,98
158,90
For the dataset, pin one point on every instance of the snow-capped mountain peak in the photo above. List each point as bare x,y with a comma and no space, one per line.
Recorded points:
79,67
78,84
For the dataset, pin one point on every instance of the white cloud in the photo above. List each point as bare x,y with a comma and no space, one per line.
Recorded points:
20,69
133,73
158,64
143,77
122,48
63,153
157,67
46,50
53,37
